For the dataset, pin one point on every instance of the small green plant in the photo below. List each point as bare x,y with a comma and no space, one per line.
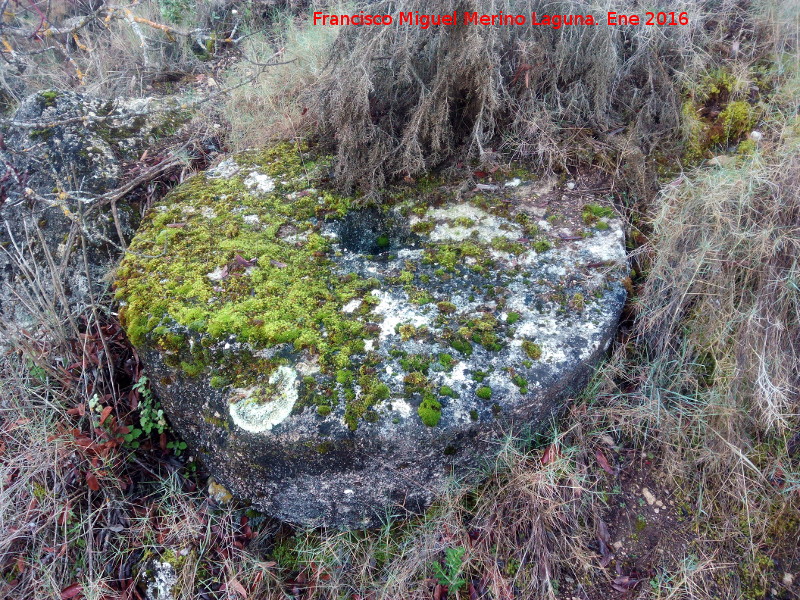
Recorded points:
151,418
449,574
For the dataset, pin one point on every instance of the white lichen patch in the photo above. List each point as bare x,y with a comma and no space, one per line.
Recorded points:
485,226
251,219
396,311
224,170
253,412
608,245
351,306
260,182
217,274
161,581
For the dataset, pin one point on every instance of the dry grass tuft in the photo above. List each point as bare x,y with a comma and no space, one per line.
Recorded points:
400,100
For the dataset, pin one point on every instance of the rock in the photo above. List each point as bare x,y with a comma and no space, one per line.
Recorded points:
648,496
158,579
64,151
218,493
333,364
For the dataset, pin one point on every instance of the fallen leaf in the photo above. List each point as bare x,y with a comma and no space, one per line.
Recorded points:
279,264
234,585
603,461
623,583
72,591
104,415
242,261
550,454
92,482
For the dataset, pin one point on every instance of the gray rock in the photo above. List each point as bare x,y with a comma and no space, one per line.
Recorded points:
158,579
60,153
332,365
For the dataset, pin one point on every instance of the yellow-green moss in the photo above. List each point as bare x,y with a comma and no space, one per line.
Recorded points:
430,410
532,349
264,289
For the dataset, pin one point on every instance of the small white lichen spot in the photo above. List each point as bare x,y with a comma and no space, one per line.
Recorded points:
485,225
258,415
217,274
514,182
227,168
395,311
251,219
351,306
162,581
263,183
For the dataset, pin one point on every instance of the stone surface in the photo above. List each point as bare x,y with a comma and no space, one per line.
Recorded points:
158,578
64,152
334,364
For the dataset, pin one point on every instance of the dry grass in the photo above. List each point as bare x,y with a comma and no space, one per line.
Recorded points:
268,108
706,384
399,101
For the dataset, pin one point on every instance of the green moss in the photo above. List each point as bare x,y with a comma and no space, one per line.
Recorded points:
447,391
736,119
41,134
39,491
578,301
473,415
323,410
268,292
462,346
416,362
430,410
532,349
423,227
513,317
503,244
542,246
446,361
217,381
641,523
446,308
464,222
592,213
405,277
192,369
415,381
344,377
49,97
484,392
372,392
479,376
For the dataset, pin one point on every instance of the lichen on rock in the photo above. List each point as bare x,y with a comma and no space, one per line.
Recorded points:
313,343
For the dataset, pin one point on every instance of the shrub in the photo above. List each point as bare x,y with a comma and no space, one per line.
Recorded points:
400,99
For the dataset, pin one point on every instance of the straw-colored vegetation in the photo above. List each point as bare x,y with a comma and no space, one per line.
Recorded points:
698,403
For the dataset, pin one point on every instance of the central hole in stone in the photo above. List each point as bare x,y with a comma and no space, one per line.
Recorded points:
370,231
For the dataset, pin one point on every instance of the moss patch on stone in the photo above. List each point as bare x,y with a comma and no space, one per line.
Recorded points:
212,264
430,410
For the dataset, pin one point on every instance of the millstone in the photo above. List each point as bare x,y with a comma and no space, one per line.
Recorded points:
333,364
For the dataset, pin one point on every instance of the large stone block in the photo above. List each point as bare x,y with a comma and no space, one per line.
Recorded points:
332,362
